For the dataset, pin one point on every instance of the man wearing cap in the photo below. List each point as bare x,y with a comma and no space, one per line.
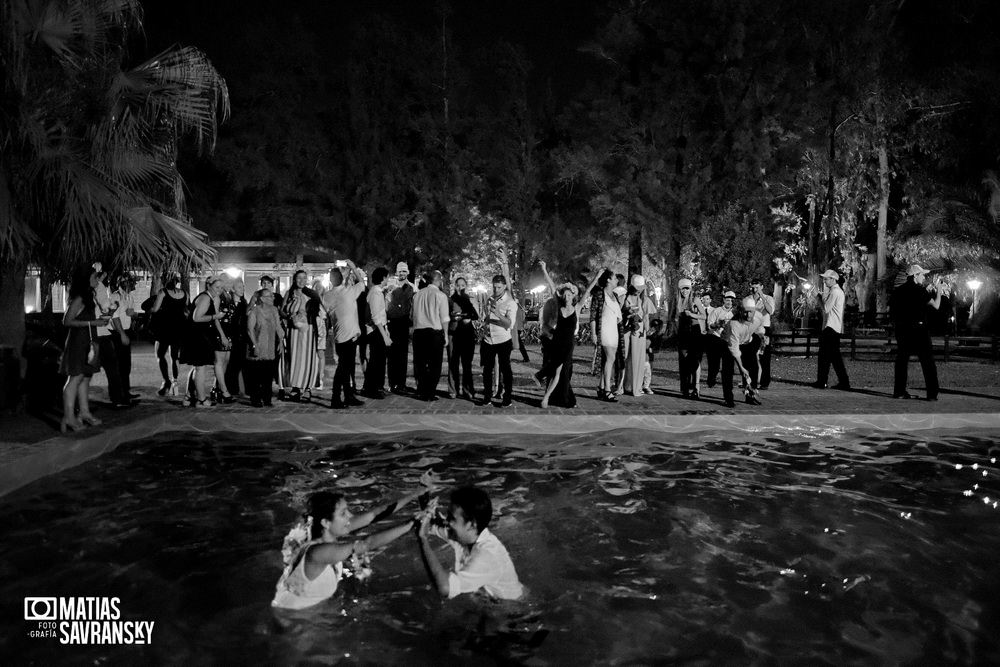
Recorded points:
908,308
687,314
715,348
832,297
741,351
398,309
765,306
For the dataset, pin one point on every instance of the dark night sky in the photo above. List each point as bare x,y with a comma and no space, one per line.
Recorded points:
550,31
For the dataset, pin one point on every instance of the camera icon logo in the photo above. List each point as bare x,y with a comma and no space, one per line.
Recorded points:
40,609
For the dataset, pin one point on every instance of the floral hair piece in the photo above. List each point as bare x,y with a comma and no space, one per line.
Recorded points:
297,537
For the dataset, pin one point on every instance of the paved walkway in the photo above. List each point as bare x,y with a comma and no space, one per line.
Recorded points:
31,447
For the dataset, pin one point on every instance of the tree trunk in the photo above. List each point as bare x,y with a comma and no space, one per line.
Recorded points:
881,244
635,251
12,329
811,258
865,286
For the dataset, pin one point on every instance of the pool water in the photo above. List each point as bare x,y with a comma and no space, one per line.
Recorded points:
818,547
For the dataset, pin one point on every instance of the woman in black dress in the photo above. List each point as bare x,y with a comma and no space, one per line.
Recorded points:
204,337
168,321
558,368
77,362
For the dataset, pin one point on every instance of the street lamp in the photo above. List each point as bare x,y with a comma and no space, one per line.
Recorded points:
973,285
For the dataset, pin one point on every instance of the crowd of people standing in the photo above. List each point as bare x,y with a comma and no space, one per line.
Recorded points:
282,340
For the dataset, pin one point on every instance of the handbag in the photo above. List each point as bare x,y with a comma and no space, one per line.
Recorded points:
94,351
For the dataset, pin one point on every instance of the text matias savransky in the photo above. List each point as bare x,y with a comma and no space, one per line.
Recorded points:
84,620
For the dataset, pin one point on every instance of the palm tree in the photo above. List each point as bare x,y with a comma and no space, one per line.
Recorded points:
88,148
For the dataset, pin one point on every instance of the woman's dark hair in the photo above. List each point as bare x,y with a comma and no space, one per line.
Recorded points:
378,275
602,282
294,286
321,506
80,286
475,504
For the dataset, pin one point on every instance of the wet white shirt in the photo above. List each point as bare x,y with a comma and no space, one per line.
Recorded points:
486,566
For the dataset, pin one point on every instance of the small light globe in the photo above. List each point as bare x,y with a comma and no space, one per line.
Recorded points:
974,284
233,272
807,286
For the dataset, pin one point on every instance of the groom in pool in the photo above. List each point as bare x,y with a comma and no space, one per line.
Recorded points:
481,561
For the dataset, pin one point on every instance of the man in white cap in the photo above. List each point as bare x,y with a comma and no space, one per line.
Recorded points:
715,348
689,310
908,308
832,297
741,351
398,310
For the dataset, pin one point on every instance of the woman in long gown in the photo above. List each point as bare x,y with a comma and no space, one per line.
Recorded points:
637,311
557,369
301,351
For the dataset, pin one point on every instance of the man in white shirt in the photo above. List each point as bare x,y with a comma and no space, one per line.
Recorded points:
481,560
121,322
376,335
832,297
431,314
715,348
741,351
497,344
106,347
341,302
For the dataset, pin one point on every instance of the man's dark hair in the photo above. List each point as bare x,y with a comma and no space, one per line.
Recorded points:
499,279
475,504
379,274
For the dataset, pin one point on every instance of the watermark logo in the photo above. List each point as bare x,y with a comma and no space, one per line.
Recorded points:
40,609
84,620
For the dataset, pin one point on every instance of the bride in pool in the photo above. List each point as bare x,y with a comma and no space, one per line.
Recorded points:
315,549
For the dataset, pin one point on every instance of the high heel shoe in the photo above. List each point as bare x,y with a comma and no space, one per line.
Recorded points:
66,426
203,403
91,420
164,388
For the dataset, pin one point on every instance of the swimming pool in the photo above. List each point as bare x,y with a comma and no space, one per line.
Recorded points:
821,546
